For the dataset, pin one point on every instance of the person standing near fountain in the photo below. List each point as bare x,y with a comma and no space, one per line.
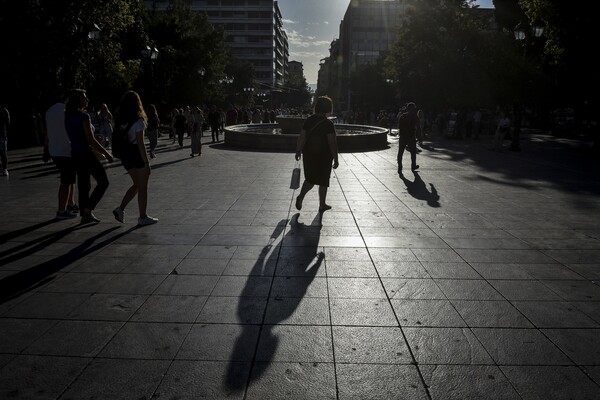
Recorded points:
317,142
408,124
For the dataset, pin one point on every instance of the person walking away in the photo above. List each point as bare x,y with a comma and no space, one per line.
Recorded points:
407,126
131,119
83,141
58,147
196,147
172,132
515,144
421,127
4,124
222,121
152,131
214,121
106,124
317,146
476,123
231,116
501,131
189,117
180,126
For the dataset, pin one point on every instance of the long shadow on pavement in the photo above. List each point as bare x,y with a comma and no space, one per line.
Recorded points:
5,237
304,263
568,164
418,190
38,275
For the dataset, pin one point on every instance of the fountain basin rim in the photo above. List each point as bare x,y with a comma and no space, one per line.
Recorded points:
243,135
250,129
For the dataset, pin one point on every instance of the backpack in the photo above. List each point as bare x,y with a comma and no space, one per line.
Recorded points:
406,125
120,140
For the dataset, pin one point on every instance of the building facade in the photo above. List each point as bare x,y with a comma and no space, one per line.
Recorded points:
367,30
254,31
296,71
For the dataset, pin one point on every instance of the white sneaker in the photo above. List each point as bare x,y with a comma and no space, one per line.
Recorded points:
5,172
119,214
147,220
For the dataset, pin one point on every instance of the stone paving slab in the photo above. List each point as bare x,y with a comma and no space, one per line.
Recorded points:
476,277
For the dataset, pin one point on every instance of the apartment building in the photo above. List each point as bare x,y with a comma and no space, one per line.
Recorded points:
254,31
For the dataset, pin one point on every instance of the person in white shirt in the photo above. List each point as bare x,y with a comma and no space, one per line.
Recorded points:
58,147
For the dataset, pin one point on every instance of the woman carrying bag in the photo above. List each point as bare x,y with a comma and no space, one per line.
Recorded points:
130,115
317,144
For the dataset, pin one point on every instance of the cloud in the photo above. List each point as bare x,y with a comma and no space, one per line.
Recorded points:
297,39
308,55
289,21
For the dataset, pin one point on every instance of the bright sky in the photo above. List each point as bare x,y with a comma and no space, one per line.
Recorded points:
311,26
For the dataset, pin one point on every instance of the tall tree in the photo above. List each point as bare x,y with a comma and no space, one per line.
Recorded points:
188,43
49,50
569,39
442,56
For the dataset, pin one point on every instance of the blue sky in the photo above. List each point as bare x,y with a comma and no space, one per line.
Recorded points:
311,26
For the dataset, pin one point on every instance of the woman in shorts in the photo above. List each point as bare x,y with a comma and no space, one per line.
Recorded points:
131,114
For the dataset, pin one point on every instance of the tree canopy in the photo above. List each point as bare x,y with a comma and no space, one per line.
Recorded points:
50,49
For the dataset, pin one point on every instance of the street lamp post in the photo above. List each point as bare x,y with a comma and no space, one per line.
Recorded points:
525,34
250,91
92,32
151,54
227,81
262,96
201,72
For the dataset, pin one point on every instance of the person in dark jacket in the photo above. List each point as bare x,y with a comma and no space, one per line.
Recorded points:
408,124
214,121
317,146
83,141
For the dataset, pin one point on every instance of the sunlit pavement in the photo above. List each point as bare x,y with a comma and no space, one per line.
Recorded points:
475,278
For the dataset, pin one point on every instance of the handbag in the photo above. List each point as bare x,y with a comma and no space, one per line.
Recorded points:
295,181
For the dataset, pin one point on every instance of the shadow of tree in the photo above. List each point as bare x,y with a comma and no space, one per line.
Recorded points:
568,164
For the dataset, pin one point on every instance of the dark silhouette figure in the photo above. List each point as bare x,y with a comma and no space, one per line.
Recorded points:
317,146
408,123
305,264
214,121
515,144
81,134
418,190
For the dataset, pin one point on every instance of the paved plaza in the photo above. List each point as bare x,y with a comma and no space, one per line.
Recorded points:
476,278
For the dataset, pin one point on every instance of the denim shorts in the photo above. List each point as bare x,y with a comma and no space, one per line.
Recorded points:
132,157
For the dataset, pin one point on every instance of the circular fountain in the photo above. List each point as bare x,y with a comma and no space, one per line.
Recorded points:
284,134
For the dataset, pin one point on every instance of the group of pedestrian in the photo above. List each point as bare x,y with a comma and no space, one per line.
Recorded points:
190,121
317,147
76,149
